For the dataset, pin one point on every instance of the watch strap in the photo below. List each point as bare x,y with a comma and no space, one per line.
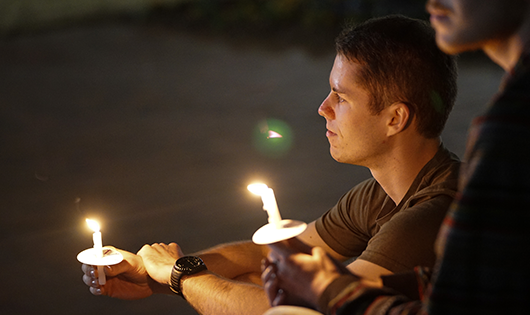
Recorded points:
174,284
186,265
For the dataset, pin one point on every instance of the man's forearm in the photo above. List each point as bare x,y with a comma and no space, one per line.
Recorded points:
209,293
233,260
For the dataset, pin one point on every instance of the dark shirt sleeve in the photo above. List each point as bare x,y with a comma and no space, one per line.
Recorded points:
345,227
403,242
402,295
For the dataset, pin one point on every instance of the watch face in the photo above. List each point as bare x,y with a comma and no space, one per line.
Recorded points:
189,263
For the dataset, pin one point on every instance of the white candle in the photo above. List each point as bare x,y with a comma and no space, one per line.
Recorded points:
98,248
98,244
269,202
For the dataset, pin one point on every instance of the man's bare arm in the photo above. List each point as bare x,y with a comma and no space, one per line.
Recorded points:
211,294
234,260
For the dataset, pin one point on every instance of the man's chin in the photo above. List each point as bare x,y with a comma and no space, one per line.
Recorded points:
334,155
450,47
338,158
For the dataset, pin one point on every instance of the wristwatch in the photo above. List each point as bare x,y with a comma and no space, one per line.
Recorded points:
186,265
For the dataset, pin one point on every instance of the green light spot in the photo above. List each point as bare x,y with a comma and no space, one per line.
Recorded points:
272,137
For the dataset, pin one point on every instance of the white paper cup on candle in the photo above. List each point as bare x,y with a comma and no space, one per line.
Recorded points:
90,257
270,233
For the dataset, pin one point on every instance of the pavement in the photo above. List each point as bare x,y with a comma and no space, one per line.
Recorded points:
152,131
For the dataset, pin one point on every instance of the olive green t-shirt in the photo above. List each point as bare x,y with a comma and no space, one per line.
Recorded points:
366,223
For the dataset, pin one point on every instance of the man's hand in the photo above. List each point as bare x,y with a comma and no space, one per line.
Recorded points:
159,260
127,280
297,275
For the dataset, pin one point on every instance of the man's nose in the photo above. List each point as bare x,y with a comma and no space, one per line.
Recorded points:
326,109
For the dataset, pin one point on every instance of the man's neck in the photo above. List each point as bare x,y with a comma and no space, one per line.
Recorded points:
506,52
398,173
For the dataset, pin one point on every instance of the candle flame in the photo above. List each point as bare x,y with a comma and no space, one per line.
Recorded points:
258,189
93,225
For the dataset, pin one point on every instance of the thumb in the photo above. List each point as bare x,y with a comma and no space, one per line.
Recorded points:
318,252
129,263
320,255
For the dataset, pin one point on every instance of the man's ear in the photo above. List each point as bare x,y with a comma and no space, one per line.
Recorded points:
399,118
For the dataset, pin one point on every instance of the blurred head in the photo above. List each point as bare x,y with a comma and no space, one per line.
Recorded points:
463,25
398,61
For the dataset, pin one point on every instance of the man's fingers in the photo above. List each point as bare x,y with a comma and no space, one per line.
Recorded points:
90,280
272,288
270,284
279,252
96,291
175,250
160,250
268,272
159,247
280,299
90,275
264,264
86,268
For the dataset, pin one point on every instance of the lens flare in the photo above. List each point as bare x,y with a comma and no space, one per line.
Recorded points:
272,137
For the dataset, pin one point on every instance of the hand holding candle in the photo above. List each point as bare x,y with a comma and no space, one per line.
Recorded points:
277,229
98,255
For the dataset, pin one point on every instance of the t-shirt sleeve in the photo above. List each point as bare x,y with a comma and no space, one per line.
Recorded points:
344,227
407,239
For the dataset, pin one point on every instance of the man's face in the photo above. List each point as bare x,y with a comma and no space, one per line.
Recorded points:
355,135
463,25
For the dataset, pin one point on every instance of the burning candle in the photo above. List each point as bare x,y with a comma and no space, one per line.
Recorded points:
269,202
98,248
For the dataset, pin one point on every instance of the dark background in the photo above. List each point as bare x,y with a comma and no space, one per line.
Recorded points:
147,123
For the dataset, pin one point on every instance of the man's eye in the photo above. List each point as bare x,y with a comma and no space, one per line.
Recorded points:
339,99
